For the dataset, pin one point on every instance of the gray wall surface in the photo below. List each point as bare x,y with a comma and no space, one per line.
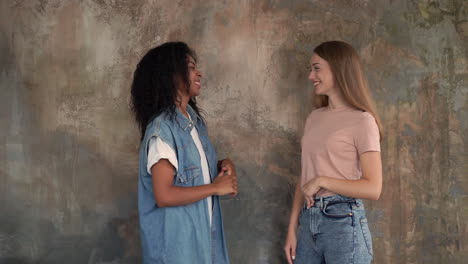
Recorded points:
68,143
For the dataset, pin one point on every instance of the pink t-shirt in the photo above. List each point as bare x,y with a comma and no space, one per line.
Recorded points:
332,142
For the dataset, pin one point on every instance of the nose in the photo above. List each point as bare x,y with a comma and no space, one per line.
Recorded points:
312,75
200,74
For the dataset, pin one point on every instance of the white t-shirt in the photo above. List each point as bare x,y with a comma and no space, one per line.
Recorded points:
158,149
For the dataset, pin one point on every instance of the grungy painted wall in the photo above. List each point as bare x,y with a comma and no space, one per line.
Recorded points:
68,143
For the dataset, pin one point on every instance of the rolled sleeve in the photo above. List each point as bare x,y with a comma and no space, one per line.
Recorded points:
158,150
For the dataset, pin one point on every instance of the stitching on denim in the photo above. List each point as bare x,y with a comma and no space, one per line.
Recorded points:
363,222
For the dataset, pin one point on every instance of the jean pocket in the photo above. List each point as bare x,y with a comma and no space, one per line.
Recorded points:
188,175
366,234
337,212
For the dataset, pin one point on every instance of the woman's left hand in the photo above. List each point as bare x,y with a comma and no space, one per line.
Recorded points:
310,189
228,167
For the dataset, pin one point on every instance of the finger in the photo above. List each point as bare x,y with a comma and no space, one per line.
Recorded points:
291,256
234,180
227,169
288,254
226,162
293,252
234,191
308,202
221,173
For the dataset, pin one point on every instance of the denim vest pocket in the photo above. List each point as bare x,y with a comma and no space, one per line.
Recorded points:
188,175
367,235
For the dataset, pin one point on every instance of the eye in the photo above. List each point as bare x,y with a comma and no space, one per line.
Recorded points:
192,68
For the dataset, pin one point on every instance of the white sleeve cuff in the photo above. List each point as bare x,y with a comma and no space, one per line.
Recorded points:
159,149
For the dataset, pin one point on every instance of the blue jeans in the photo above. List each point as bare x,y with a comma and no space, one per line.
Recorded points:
334,231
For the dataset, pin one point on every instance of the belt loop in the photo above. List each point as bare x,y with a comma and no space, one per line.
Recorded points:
321,202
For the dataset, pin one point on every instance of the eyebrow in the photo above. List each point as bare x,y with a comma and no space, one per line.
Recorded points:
313,64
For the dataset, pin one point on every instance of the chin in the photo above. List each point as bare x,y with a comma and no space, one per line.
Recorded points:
320,92
317,92
195,92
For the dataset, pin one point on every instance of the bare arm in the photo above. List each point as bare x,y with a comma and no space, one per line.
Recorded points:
166,194
291,239
298,203
368,187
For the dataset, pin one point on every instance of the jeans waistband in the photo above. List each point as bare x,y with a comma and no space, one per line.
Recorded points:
324,203
320,202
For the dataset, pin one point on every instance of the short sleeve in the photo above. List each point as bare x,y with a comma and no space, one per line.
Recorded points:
367,135
157,150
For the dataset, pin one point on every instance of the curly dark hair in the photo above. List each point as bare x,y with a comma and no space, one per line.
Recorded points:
154,86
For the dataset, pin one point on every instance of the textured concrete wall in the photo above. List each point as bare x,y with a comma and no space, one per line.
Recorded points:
68,144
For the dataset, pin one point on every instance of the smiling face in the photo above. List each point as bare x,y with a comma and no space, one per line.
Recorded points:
194,76
321,76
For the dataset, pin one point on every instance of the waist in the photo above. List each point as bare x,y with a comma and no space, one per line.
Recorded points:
323,201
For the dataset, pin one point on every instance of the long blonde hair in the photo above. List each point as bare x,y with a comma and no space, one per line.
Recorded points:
348,77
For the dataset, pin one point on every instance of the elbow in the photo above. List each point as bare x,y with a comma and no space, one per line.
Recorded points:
161,202
375,191
376,195
162,205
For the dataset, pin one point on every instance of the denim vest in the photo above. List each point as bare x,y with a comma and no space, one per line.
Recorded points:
180,234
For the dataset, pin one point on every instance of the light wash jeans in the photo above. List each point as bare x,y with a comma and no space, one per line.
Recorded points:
334,231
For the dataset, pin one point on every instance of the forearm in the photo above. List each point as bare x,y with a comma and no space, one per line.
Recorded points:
362,188
177,196
298,202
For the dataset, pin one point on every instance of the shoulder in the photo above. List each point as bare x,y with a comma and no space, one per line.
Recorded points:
314,116
315,113
161,124
366,118
366,124
362,115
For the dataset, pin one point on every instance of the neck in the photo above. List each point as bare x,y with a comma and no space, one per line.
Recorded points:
182,104
336,101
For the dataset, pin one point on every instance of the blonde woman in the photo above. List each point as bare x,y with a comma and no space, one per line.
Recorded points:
341,164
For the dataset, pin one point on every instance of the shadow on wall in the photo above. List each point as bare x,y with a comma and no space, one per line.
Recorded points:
63,205
25,238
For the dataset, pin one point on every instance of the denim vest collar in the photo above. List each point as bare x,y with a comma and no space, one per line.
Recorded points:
184,122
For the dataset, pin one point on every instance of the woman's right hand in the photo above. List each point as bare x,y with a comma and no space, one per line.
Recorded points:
225,183
290,247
